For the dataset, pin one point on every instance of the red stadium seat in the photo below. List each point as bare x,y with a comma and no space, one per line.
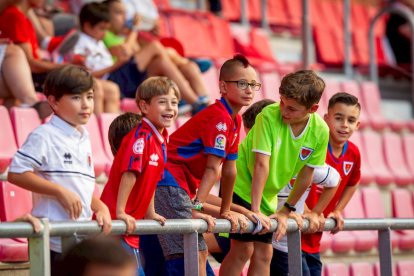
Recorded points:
353,88
294,11
327,49
372,104
361,269
222,35
13,251
405,268
100,159
377,271
276,15
408,149
365,240
211,82
394,156
231,9
375,208
24,121
337,269
7,141
331,87
105,120
374,150
343,242
402,207
326,242
270,85
129,105
367,174
14,201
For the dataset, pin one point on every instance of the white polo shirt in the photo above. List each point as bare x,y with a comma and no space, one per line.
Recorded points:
325,176
97,56
60,153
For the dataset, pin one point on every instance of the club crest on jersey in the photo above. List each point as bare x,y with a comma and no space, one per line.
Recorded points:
221,127
220,142
347,166
154,159
305,153
138,146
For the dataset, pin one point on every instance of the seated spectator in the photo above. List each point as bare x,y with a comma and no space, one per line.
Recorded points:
154,57
100,256
16,26
16,85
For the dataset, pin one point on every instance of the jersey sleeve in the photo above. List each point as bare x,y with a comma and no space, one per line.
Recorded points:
215,136
262,136
356,172
318,157
31,156
17,29
135,152
326,176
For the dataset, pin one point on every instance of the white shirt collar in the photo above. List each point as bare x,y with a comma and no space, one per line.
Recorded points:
157,133
65,127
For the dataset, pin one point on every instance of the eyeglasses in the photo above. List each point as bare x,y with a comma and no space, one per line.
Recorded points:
243,84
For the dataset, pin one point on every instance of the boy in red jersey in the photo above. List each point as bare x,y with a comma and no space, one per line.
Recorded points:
342,119
139,162
195,153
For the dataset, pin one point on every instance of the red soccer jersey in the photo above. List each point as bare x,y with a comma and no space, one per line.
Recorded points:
142,151
212,131
15,26
349,167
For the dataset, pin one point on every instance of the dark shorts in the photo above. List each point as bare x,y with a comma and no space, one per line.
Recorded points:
39,81
128,77
247,237
279,266
174,203
311,264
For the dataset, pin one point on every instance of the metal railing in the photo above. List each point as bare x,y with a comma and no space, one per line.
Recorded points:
406,13
39,251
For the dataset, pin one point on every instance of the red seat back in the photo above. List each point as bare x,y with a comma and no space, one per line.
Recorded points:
373,203
336,269
405,268
24,121
361,269
354,208
408,149
7,140
105,120
14,201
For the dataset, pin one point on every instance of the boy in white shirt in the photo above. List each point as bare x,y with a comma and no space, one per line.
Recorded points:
55,162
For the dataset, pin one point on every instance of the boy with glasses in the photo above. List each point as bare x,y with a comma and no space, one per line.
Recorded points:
196,152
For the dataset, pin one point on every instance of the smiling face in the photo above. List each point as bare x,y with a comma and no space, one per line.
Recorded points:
161,110
236,97
342,120
293,112
75,109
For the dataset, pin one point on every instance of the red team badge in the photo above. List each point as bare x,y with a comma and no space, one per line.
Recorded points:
347,167
305,153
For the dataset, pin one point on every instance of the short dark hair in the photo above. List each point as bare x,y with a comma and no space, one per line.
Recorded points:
304,86
228,66
106,251
68,79
345,98
249,116
93,13
120,127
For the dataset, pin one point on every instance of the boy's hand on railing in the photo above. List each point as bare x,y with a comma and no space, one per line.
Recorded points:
264,220
103,218
298,218
157,217
71,202
211,222
281,218
37,225
337,216
129,221
231,216
314,222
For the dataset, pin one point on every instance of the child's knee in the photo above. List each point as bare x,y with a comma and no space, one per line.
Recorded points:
243,251
263,254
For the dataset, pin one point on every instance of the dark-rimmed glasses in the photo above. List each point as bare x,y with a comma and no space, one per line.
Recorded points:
243,84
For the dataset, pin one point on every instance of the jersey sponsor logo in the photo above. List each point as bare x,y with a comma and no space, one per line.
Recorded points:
305,153
67,158
347,167
154,159
221,127
138,147
220,142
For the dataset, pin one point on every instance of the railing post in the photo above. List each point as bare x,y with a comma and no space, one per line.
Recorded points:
385,251
294,253
306,34
347,39
244,13
191,254
264,23
39,252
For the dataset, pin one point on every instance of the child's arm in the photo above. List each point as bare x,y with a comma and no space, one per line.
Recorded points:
228,178
103,217
121,60
260,174
212,207
151,214
343,201
125,187
32,182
